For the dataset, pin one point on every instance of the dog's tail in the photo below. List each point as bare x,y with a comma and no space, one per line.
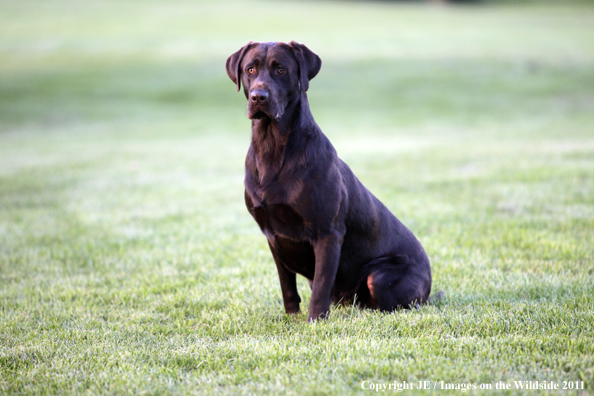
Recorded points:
436,297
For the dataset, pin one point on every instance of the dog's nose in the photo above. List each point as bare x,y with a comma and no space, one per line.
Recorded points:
259,96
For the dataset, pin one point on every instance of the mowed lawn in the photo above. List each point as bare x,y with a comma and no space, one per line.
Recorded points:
129,265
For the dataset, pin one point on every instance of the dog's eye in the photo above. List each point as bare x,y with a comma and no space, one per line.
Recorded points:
280,70
250,70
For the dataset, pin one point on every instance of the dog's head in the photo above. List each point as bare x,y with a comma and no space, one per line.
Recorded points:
273,75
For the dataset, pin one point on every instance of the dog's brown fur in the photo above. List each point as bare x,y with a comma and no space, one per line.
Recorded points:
320,221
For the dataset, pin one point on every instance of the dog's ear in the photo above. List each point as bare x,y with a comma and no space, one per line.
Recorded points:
309,63
233,65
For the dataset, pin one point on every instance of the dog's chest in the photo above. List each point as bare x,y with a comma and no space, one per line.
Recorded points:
278,219
274,215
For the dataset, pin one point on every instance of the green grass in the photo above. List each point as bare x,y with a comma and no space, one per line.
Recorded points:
129,265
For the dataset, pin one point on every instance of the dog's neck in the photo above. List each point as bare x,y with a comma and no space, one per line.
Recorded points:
271,136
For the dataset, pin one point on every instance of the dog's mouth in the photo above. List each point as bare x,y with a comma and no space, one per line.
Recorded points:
257,112
258,115
268,110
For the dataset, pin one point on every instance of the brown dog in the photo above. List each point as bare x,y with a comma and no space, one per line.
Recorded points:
320,221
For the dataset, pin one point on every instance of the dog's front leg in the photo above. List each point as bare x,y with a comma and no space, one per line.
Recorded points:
288,282
327,252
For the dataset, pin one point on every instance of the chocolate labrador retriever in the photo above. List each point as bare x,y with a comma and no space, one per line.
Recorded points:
320,221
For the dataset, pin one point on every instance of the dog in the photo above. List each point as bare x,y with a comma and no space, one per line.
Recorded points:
319,219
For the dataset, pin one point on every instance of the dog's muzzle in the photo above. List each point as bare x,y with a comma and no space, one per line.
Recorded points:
260,105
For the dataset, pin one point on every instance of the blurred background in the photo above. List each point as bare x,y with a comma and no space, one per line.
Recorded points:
122,222
119,125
